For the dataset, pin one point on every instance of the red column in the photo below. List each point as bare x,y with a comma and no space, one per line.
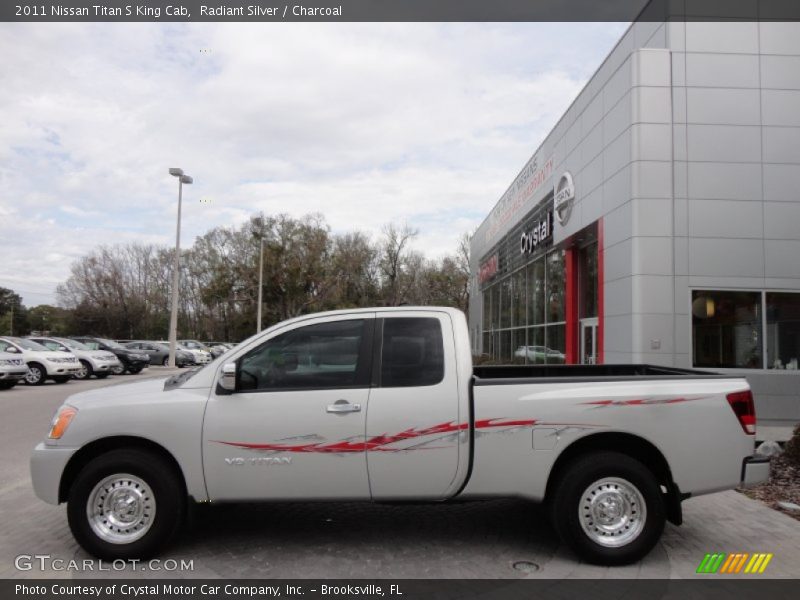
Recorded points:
600,292
571,308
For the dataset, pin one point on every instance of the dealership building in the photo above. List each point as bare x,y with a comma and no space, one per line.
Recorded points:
659,221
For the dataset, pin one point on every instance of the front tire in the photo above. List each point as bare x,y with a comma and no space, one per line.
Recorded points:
62,379
7,385
36,374
85,372
125,504
608,508
102,375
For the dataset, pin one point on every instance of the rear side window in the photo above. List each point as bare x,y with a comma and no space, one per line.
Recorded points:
413,353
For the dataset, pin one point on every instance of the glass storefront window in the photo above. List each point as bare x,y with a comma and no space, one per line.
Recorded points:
487,343
495,306
535,348
519,303
487,309
783,330
504,352
726,329
505,303
536,293
518,346
555,342
555,286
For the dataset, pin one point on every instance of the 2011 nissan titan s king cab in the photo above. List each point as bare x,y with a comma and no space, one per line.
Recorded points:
385,405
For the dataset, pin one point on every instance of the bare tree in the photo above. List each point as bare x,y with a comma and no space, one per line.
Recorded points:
394,249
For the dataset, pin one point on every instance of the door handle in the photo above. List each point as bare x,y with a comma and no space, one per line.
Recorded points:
343,406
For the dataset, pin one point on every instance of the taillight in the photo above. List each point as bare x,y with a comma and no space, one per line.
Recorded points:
744,409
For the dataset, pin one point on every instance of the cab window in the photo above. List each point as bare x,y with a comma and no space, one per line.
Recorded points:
323,356
413,353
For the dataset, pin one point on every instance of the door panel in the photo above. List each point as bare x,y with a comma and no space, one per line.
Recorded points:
414,428
295,427
589,341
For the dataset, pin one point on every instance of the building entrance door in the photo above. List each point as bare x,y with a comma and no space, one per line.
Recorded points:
589,341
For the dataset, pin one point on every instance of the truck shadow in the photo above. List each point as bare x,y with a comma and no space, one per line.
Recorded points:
350,539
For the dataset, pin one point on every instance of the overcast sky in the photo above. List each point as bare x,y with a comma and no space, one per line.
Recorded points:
364,123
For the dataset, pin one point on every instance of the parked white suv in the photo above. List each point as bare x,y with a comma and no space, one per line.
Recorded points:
93,362
197,350
12,370
42,363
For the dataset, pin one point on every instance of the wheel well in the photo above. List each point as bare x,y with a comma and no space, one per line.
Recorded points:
637,448
82,457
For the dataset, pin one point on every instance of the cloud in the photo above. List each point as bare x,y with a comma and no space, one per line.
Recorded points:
364,123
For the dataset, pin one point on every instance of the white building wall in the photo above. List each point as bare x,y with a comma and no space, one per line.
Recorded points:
736,103
686,142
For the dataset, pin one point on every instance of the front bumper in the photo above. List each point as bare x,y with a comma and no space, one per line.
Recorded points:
104,366
47,467
137,363
62,369
755,470
13,373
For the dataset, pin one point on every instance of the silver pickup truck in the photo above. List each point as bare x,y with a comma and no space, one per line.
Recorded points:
385,405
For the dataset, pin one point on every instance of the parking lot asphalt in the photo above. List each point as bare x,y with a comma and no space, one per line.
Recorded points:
491,539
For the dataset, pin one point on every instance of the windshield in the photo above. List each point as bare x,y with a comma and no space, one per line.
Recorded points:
28,344
72,344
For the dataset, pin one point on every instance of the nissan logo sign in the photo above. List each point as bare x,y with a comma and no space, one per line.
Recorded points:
563,197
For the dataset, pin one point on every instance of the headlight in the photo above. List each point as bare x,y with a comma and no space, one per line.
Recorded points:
61,421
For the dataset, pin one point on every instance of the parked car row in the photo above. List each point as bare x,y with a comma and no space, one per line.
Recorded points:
35,359
188,352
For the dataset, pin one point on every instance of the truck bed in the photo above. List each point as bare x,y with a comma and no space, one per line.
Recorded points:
516,374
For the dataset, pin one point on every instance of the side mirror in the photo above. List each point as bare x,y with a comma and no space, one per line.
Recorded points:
11,349
227,380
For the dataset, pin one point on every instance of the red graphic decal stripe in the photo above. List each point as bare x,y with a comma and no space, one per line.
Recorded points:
379,442
642,401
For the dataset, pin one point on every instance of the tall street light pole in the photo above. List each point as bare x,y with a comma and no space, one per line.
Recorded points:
260,282
173,317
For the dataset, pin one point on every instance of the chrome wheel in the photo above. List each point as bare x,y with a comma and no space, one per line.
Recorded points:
84,372
121,509
118,370
612,512
35,375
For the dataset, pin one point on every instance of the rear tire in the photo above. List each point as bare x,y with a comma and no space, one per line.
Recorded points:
125,504
102,375
62,379
118,369
135,370
608,508
36,374
166,361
